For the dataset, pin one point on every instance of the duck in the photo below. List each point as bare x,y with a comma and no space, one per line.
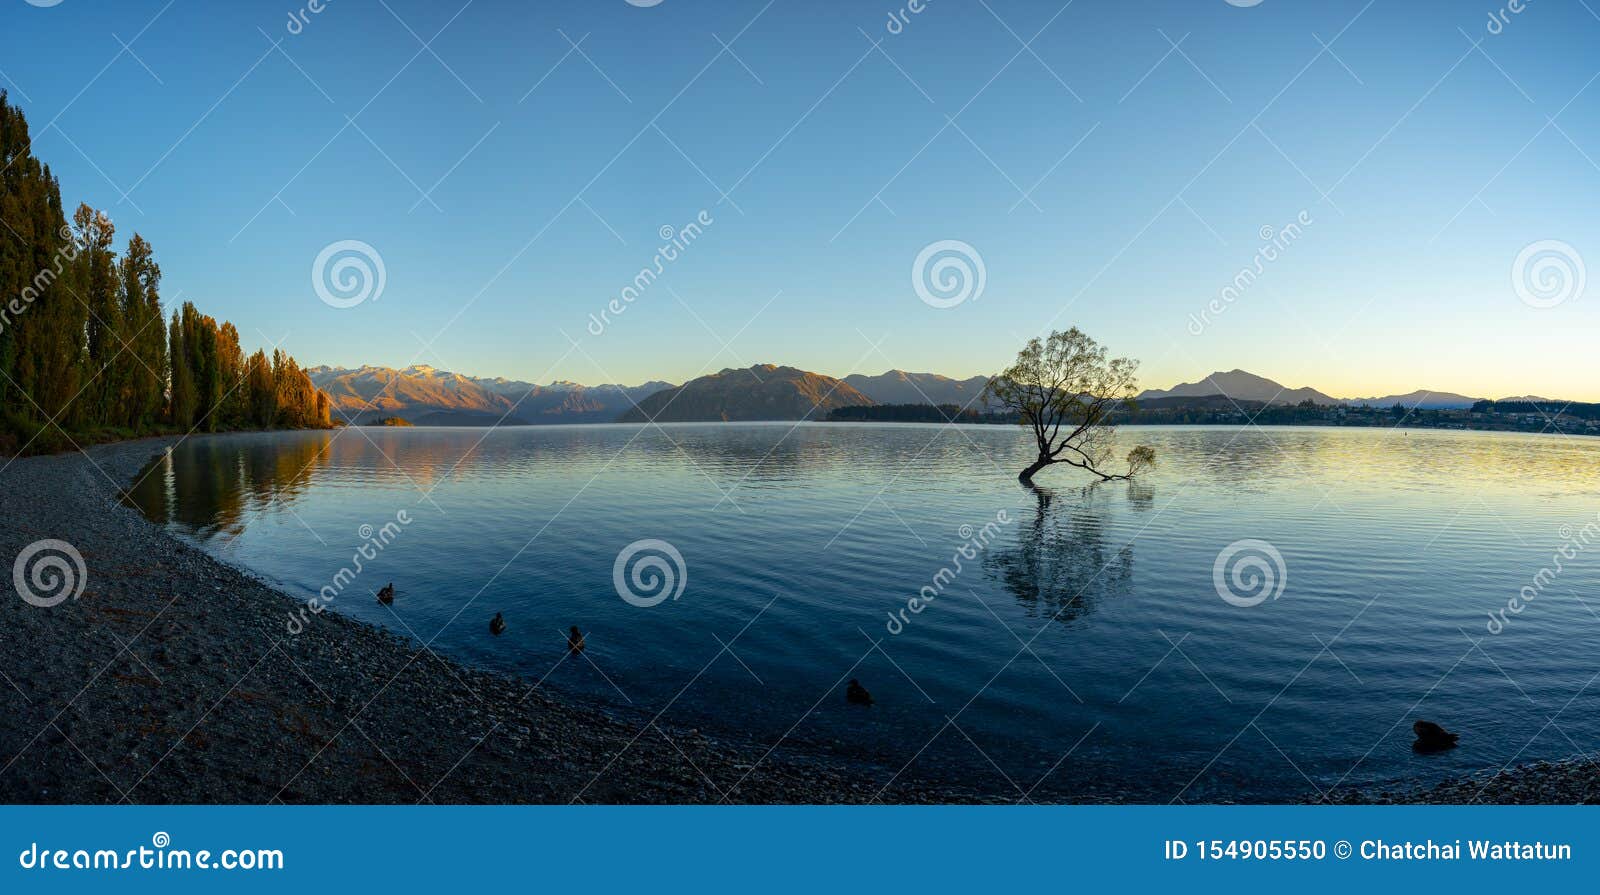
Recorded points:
1433,738
857,694
386,594
575,640
497,625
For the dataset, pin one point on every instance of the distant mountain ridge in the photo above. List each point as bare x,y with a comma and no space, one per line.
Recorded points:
1243,386
428,396
901,387
1423,399
760,392
417,392
569,402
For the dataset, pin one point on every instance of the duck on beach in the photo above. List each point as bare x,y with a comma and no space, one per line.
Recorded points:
1433,738
497,625
857,694
575,640
386,594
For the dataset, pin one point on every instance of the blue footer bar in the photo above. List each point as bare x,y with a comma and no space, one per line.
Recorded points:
800,849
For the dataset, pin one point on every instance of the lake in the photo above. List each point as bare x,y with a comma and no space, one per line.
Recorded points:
1259,618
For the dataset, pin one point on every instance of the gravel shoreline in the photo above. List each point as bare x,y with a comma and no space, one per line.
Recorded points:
1574,781
171,680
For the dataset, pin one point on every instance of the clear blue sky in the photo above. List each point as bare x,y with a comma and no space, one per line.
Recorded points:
1440,163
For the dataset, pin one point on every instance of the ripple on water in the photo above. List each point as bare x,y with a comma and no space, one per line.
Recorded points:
1092,623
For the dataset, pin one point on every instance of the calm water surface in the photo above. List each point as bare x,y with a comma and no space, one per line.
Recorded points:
1085,652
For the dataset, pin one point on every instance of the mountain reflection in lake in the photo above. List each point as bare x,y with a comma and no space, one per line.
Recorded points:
1085,654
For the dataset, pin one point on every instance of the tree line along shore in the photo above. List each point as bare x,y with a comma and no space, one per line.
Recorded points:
1565,417
87,352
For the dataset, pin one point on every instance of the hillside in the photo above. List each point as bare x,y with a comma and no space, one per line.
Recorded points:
761,392
1422,399
1241,386
901,387
569,402
432,397
417,393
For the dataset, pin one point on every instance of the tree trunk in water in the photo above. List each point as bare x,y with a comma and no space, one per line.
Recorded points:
1026,476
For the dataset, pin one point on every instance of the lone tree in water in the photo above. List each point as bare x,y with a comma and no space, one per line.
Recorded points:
1065,389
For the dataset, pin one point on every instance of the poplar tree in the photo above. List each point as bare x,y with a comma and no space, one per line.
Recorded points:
180,401
142,363
97,287
85,342
41,326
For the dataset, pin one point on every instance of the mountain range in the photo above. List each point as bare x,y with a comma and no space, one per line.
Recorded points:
900,387
427,396
1242,386
761,392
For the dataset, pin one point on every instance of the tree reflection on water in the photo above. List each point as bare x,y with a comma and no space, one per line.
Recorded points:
1062,564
